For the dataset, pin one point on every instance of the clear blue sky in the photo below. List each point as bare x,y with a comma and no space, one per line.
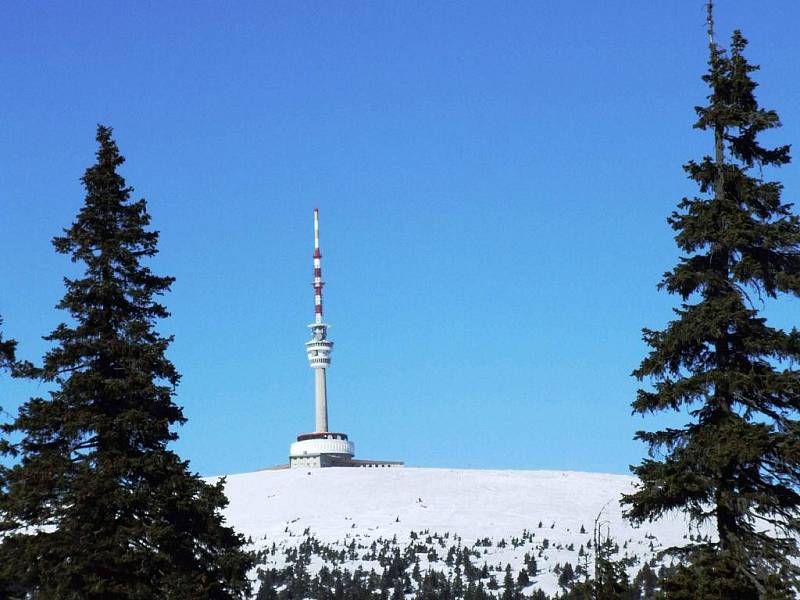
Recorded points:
493,181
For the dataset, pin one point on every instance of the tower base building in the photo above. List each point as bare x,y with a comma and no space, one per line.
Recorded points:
320,449
329,449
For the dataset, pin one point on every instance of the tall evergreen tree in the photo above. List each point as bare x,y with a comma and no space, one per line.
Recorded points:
97,505
735,464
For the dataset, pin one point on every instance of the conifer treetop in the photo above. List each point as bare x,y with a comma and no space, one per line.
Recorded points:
7,349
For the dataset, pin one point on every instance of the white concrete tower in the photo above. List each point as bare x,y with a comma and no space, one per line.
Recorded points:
319,347
322,447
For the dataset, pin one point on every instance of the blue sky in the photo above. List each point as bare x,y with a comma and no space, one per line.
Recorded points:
493,181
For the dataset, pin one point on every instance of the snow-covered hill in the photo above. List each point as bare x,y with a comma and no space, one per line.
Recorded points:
339,505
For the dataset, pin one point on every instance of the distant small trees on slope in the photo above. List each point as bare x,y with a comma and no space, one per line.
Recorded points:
459,572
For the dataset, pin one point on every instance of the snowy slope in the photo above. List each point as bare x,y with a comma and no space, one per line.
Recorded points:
339,504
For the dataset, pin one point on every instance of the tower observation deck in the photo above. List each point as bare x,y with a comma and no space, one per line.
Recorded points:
322,447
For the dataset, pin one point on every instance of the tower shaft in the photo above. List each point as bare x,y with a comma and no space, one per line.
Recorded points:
322,399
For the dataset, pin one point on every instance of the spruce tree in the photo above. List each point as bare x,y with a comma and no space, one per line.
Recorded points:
567,576
735,463
96,504
611,576
509,589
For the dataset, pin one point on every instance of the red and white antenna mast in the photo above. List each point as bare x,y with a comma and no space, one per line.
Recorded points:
318,283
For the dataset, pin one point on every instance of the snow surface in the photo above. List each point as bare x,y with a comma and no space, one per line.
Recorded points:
339,504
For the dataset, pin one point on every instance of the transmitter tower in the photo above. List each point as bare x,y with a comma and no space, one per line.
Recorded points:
322,447
319,347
